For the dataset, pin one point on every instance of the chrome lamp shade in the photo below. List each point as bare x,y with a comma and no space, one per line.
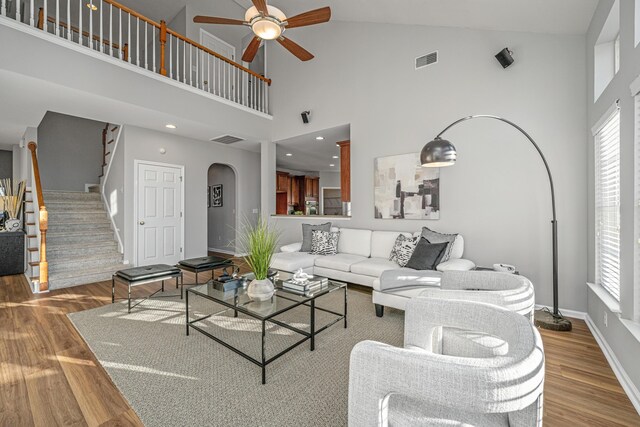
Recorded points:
438,153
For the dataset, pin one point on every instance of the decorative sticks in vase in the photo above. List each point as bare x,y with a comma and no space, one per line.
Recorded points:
11,197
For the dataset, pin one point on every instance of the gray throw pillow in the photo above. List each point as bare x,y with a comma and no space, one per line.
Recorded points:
307,229
435,237
426,256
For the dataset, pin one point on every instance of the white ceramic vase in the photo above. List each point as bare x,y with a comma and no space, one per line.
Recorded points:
12,224
260,290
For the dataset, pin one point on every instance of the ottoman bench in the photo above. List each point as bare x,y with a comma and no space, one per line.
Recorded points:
207,263
143,275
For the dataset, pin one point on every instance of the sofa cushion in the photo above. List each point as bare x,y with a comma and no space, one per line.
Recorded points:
382,243
403,249
292,261
341,261
324,242
435,237
373,266
456,265
457,249
355,242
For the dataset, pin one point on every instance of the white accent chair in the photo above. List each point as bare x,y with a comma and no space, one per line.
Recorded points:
463,364
511,291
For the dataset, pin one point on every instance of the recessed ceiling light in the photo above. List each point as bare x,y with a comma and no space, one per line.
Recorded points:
289,154
170,126
335,157
319,138
331,165
92,6
337,145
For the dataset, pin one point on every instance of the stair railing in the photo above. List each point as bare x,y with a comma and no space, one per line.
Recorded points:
120,32
43,220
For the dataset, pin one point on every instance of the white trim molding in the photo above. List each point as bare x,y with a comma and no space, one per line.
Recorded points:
629,387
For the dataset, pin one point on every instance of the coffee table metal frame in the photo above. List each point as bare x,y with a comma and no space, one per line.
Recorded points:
308,301
130,283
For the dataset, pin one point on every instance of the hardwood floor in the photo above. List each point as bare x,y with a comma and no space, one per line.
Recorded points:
48,375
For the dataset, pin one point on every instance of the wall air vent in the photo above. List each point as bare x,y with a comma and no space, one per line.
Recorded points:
428,59
227,139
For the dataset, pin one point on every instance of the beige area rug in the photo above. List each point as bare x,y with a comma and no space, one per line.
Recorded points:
171,379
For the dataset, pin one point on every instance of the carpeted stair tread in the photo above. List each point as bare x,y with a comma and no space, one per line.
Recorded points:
85,263
83,272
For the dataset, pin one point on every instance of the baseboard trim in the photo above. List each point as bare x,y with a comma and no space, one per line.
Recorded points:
566,312
627,385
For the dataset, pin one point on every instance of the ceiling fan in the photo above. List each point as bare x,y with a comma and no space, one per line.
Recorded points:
268,23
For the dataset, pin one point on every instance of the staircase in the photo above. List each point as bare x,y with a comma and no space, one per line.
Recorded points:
81,246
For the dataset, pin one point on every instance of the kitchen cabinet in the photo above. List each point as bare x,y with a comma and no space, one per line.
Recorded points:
282,182
311,187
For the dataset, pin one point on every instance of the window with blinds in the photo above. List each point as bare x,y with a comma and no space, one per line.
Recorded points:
607,175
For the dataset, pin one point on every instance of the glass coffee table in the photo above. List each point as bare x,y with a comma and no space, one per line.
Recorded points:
238,302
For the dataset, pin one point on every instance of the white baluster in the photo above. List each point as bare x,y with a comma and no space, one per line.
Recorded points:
190,64
101,47
153,46
198,85
45,18
138,41
3,7
266,98
129,38
32,21
111,30
90,23
170,56
184,61
69,32
146,44
121,54
80,22
18,15
208,72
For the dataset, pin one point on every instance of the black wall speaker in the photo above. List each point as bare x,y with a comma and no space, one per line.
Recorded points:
504,57
305,116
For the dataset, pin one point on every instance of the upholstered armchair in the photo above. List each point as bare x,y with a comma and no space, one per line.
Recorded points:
463,363
510,291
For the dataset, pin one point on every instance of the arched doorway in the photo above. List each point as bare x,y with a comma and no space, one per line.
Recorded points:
221,209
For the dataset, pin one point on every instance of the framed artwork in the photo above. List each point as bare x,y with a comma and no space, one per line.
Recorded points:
216,196
208,196
403,189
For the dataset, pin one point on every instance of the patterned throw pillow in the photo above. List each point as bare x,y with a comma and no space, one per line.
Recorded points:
403,249
324,242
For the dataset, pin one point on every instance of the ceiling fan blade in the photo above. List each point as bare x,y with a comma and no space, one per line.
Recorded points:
261,5
312,17
215,20
251,50
301,53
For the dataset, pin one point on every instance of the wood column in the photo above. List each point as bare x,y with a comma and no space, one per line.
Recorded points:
345,170
163,42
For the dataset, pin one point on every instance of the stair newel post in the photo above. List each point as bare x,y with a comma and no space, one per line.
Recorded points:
43,219
44,265
163,42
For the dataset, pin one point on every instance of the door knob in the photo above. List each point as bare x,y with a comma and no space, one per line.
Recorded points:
141,222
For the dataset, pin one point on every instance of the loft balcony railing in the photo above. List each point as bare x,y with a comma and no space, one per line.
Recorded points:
113,29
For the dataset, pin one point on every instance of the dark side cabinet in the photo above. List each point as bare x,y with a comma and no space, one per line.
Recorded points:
11,253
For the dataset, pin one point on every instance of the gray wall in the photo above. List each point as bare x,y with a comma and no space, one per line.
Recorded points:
196,156
222,220
329,179
497,196
69,152
6,164
618,335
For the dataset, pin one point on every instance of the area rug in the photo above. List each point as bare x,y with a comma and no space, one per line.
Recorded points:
171,379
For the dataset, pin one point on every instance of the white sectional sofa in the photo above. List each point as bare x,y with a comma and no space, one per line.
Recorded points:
362,257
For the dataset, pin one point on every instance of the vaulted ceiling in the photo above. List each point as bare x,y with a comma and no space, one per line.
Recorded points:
538,16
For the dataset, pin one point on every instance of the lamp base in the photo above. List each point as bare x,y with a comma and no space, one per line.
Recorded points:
545,319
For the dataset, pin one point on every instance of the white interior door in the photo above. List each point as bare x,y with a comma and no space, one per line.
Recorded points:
159,210
212,71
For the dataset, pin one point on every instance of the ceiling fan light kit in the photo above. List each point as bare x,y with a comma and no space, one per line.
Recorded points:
269,23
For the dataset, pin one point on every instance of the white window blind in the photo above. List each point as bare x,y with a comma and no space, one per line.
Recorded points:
607,175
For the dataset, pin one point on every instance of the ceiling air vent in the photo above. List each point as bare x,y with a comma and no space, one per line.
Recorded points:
227,139
428,59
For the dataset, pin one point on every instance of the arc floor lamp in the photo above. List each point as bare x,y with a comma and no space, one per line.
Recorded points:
441,153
